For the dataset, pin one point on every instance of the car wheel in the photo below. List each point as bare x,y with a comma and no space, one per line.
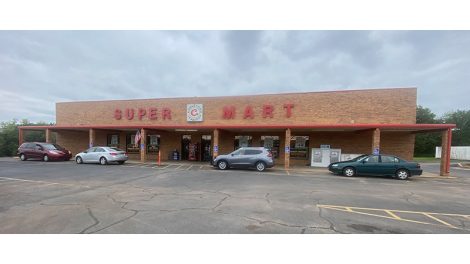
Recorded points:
79,160
260,166
121,162
103,161
222,165
349,172
402,174
23,157
45,158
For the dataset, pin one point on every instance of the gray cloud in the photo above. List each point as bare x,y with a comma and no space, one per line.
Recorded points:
39,68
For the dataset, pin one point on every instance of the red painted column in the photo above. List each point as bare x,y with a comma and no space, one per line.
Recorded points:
449,145
445,152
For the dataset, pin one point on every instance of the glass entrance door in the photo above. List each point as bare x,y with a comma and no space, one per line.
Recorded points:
206,148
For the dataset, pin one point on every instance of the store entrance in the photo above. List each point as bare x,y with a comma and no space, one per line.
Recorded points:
185,142
206,147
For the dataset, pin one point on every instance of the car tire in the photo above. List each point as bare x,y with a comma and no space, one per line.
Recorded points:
121,162
103,161
222,165
402,174
45,158
79,160
23,157
260,166
349,172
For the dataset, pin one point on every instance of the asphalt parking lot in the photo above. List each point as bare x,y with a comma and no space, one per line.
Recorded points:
63,197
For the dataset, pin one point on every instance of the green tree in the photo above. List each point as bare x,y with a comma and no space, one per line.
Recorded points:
460,135
425,143
9,136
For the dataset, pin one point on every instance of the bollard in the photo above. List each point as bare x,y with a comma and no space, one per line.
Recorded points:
159,154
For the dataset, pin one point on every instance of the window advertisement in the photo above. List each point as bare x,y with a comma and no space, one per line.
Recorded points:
153,143
113,140
271,143
131,145
242,141
299,147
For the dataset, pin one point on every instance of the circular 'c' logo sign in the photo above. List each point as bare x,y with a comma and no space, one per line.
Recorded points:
194,112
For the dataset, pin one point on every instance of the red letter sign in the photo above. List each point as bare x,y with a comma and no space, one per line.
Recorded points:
129,113
229,112
248,112
141,113
288,108
118,114
268,111
166,113
153,113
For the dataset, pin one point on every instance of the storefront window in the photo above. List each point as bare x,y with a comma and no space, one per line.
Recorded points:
271,143
131,146
153,143
113,140
242,141
299,147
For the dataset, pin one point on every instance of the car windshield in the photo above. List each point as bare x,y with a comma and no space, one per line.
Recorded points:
50,146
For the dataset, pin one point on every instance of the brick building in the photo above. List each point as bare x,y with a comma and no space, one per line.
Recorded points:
297,127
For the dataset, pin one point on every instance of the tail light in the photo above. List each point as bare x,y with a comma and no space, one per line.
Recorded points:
270,154
113,154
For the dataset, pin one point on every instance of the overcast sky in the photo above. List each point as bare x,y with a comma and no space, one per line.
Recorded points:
39,68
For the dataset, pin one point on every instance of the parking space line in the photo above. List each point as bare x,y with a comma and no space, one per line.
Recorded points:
178,167
439,220
40,182
189,167
393,215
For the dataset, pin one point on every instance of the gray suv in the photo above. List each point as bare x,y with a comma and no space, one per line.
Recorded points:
247,157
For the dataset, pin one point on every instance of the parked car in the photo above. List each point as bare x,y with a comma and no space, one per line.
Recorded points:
43,151
386,165
246,157
102,155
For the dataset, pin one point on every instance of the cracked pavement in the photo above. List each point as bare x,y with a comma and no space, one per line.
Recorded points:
37,197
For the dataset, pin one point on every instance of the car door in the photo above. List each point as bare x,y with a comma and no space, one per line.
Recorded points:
250,157
368,166
236,159
388,165
87,154
36,152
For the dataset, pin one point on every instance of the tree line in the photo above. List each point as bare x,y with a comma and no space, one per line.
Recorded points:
9,135
425,143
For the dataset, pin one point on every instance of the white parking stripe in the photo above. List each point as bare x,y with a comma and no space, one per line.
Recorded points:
189,167
39,182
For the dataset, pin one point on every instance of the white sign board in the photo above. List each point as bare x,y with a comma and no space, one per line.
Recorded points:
194,112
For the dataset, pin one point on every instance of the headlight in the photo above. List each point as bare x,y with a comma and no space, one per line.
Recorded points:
334,165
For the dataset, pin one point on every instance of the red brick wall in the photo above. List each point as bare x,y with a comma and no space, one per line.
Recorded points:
342,107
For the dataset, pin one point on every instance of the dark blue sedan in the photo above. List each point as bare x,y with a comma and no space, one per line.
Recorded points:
380,165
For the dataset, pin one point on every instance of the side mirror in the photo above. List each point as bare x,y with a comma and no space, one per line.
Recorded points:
232,155
86,151
363,161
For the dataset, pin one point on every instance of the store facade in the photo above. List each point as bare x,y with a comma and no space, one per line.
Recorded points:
300,128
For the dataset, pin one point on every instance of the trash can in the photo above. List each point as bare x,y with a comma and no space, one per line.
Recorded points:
175,155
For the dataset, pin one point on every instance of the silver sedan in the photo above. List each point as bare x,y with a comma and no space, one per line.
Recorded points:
102,155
